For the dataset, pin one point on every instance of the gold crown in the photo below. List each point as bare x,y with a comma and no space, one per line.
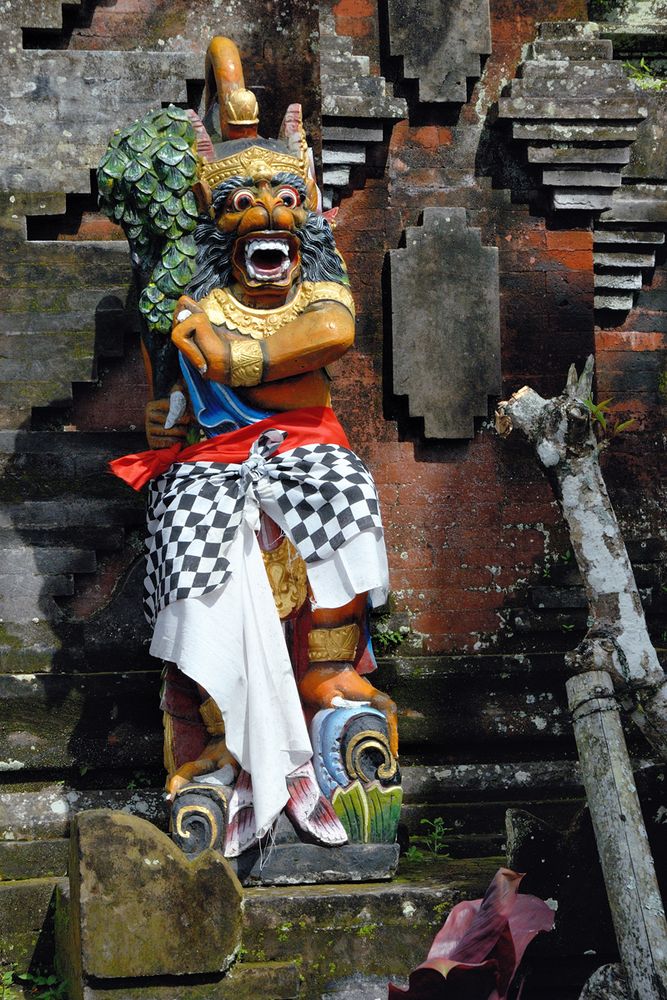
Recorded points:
241,107
256,162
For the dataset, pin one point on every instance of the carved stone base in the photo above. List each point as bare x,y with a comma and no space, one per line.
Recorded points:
309,864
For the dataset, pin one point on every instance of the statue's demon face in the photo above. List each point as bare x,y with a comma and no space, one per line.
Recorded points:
264,217
259,232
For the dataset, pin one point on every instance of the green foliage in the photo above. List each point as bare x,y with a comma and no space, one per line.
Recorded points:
434,840
642,74
386,639
43,985
140,779
145,179
605,430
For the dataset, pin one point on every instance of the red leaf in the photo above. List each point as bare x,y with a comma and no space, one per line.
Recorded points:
478,950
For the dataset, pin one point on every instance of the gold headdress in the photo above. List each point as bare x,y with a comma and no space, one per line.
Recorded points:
239,117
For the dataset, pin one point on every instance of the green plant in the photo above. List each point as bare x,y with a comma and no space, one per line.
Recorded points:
41,984
605,430
642,74
140,779
435,838
387,639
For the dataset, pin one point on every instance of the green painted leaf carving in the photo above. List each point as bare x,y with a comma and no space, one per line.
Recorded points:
184,272
351,807
187,246
384,808
186,222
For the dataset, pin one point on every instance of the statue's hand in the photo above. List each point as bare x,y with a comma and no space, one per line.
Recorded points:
159,435
194,336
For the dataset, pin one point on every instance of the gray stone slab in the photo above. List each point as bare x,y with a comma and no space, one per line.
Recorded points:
589,48
245,981
349,153
625,236
586,156
565,132
581,178
310,864
440,43
445,319
563,109
139,908
340,133
618,303
627,281
46,813
623,259
33,859
580,199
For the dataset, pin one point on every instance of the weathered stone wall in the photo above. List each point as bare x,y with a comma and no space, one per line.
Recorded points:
482,577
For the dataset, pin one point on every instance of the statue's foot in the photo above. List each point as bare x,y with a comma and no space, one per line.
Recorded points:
241,832
312,816
214,758
329,685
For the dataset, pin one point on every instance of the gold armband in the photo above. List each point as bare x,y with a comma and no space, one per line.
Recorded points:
333,643
246,362
212,718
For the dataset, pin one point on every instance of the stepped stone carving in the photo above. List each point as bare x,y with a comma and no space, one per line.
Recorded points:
441,44
349,92
446,327
578,113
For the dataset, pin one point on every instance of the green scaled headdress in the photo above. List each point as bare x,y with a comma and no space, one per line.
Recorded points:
145,180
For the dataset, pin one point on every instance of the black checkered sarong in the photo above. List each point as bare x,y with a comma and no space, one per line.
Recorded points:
326,496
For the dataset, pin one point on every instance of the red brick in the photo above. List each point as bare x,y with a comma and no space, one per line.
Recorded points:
352,9
570,239
629,340
356,27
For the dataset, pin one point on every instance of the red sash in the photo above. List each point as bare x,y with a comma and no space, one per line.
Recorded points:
310,425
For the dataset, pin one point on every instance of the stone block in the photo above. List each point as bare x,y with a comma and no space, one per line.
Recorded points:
566,132
632,280
246,981
581,178
310,864
445,319
623,259
440,43
580,199
617,303
32,859
26,922
140,908
584,155
622,236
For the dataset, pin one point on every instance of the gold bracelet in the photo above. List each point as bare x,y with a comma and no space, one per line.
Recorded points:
246,362
333,644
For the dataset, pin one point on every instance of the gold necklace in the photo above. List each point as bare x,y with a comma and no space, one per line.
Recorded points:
223,309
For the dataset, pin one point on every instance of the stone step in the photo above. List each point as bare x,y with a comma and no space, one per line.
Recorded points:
631,281
108,719
623,259
568,29
345,133
561,108
343,154
584,155
575,49
643,203
581,199
581,178
245,981
618,303
45,465
622,236
565,132
591,70
364,107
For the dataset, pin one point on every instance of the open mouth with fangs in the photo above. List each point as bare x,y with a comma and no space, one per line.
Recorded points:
267,257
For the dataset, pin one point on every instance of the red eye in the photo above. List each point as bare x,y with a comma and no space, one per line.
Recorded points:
241,200
289,197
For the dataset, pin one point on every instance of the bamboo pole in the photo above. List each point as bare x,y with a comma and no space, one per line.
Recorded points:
620,833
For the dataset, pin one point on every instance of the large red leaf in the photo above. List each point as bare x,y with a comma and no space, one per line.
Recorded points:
478,950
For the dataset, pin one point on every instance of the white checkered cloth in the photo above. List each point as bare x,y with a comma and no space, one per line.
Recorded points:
324,496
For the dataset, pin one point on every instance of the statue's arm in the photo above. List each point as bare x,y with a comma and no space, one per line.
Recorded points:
319,336
157,411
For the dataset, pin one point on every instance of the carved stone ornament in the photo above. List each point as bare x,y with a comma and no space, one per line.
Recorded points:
441,44
446,325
